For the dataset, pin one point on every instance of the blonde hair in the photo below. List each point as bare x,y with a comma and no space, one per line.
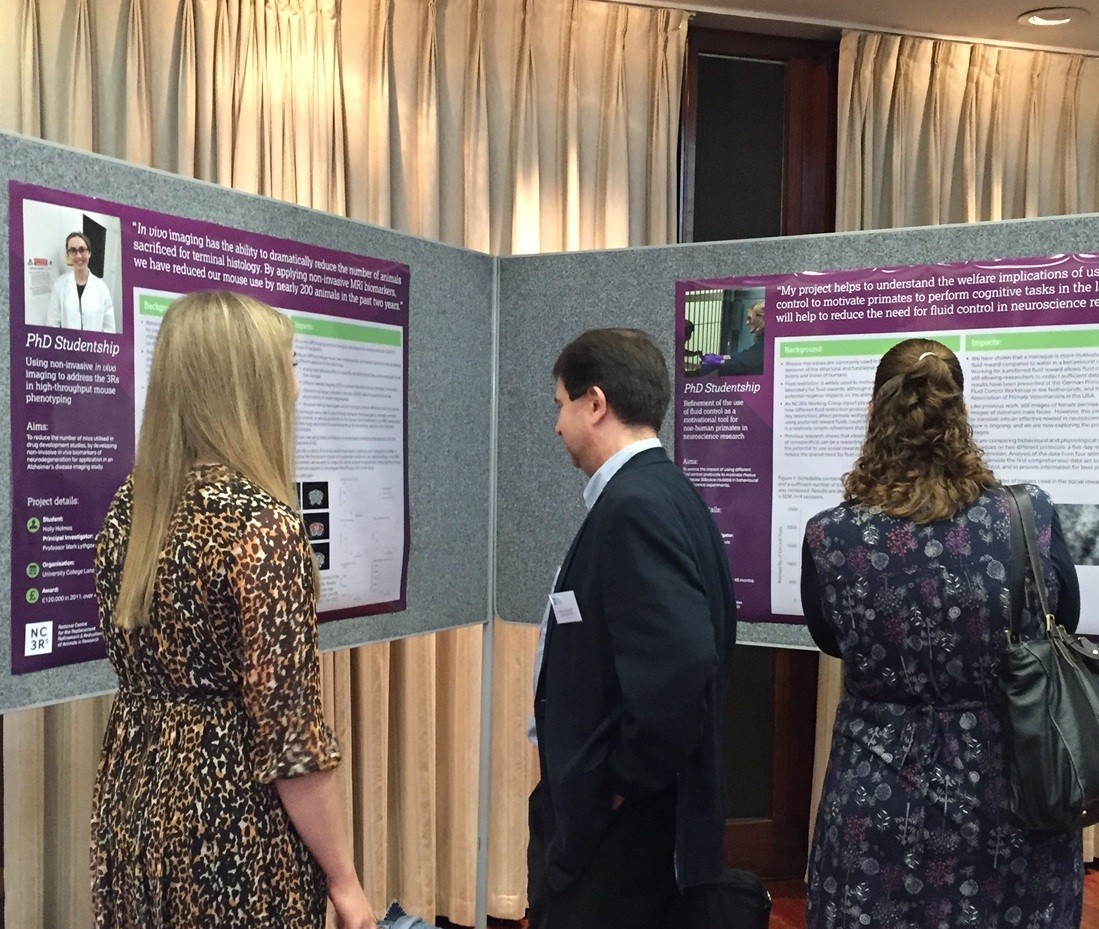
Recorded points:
221,389
919,460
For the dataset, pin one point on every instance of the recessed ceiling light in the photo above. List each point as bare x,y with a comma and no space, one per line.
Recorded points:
1052,16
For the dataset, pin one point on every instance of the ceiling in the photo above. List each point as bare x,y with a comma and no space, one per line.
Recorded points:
982,20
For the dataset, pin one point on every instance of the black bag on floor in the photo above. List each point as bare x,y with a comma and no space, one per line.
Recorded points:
736,900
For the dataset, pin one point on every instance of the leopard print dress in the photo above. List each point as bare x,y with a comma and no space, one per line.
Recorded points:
218,696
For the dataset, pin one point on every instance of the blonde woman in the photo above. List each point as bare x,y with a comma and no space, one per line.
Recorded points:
215,802
79,299
905,582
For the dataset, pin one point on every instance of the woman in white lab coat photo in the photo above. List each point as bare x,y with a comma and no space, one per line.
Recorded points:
79,299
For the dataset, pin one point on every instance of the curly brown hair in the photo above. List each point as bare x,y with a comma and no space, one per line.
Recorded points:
919,460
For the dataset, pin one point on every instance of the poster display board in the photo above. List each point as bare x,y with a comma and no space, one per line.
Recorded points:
79,373
775,372
492,500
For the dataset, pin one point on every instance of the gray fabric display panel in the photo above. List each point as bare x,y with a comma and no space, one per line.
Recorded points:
546,300
462,304
450,400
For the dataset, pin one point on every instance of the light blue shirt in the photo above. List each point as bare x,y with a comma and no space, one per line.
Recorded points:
592,491
612,466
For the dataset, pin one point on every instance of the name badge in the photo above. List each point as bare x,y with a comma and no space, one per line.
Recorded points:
565,607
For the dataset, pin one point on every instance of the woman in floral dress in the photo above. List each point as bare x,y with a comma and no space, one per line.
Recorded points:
905,581
215,803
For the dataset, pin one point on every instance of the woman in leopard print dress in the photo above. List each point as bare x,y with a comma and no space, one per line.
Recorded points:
215,802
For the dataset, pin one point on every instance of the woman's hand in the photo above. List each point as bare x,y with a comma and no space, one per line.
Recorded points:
353,910
314,805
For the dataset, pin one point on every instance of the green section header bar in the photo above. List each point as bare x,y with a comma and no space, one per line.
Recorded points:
1034,340
839,348
346,332
153,306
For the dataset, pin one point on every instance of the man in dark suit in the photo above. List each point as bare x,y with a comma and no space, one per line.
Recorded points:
629,678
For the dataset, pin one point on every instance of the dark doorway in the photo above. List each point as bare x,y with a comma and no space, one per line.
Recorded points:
757,159
757,137
740,139
770,714
97,236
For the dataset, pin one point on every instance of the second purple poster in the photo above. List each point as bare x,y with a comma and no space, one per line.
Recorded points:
774,376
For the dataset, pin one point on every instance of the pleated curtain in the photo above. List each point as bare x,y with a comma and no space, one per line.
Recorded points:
948,132
500,125
934,132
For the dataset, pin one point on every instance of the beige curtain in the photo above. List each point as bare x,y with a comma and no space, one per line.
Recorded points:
948,132
503,125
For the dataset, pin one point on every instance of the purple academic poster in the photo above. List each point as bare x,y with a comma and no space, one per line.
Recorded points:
775,374
79,369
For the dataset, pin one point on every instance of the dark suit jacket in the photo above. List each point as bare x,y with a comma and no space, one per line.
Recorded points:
629,699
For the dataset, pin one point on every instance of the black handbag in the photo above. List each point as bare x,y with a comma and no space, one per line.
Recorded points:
736,900
1050,688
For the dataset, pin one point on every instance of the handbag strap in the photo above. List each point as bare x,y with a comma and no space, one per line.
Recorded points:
1022,518
1016,567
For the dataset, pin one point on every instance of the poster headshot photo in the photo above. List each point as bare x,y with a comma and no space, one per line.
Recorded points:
72,268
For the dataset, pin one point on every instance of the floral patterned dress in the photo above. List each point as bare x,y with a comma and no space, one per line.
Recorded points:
218,696
913,829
